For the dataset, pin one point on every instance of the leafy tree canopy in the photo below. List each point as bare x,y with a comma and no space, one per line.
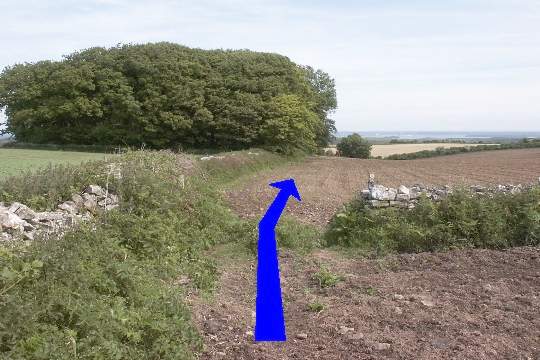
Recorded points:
168,95
354,146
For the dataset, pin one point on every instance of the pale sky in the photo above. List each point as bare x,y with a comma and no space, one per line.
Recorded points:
399,65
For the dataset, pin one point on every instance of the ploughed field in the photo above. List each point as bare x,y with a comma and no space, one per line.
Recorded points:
326,183
14,161
467,304
461,304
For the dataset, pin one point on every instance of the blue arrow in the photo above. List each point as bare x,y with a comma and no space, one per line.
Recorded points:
269,320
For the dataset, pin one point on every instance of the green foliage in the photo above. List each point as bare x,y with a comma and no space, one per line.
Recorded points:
45,187
354,146
441,151
316,307
292,127
108,290
325,278
167,95
292,234
462,220
325,103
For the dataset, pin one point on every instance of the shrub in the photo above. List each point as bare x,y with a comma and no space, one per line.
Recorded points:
354,146
462,220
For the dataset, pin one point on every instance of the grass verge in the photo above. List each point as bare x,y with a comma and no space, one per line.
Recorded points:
110,289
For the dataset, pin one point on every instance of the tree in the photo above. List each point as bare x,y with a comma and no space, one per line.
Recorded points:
354,146
168,95
324,88
291,127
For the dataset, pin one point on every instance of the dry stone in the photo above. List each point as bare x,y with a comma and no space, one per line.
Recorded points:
18,221
402,189
379,196
23,211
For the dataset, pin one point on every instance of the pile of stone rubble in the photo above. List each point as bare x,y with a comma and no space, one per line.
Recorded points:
18,221
378,196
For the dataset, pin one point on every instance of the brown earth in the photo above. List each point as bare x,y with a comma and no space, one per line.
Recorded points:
326,183
473,304
477,304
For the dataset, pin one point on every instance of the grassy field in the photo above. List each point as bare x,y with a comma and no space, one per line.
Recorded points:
13,161
385,150
390,149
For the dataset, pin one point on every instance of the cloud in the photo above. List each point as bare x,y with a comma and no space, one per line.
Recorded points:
417,64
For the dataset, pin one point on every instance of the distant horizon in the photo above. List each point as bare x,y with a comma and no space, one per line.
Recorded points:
430,134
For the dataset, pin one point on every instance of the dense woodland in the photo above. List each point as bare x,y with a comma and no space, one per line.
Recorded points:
166,95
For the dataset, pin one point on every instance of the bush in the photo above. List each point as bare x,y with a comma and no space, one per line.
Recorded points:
462,220
354,146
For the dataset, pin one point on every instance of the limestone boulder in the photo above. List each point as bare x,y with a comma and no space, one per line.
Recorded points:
22,211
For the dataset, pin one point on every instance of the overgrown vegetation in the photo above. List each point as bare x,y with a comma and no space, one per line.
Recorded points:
108,289
441,151
166,95
462,220
354,146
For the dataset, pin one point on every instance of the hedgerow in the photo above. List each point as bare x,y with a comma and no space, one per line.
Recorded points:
459,221
108,289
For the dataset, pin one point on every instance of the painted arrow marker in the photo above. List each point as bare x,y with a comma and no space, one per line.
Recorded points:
269,319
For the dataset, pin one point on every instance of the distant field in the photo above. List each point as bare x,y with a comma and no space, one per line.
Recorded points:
326,183
13,161
390,149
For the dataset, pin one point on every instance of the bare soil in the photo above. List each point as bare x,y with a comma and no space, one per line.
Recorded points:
326,183
477,304
473,304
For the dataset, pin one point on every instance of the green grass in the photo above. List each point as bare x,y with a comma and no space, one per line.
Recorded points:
15,161
108,289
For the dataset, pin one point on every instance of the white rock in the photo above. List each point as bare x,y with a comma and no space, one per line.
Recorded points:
402,189
379,192
68,206
23,211
95,190
11,221
403,197
78,201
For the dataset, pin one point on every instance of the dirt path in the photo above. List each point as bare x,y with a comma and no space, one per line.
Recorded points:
459,305
477,304
326,183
